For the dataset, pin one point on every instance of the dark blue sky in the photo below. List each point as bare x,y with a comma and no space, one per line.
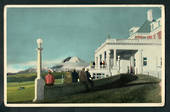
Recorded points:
67,31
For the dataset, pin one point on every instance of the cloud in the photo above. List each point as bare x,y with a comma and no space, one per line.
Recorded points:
31,64
11,69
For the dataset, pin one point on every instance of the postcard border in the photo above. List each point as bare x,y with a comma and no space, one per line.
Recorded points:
86,104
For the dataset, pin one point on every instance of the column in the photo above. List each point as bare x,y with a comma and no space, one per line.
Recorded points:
140,64
99,62
119,64
132,63
39,63
108,59
114,57
39,82
96,62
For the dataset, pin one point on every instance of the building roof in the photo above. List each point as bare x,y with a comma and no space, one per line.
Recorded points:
145,28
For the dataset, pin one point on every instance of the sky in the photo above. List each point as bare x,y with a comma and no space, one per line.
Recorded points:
66,32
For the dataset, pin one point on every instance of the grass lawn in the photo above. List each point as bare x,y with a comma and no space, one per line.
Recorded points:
135,94
143,90
21,77
23,95
16,95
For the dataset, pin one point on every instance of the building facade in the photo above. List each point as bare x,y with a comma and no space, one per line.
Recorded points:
141,53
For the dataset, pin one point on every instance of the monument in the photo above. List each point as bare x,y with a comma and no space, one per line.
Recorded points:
39,82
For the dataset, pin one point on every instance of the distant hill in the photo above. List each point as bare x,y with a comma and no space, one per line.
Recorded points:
29,70
11,73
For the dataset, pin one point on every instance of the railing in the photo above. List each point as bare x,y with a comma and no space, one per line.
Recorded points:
98,67
104,67
104,71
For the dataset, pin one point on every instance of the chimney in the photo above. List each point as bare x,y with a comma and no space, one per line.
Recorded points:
149,15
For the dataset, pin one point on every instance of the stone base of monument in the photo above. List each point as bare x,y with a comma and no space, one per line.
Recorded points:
39,90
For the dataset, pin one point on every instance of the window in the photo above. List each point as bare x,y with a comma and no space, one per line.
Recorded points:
161,61
105,56
145,61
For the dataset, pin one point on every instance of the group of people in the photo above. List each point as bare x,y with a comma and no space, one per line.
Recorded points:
83,77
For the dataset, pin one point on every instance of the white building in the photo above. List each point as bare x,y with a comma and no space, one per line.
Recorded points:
140,53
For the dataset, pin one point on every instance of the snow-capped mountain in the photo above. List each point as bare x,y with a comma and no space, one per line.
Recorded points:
70,63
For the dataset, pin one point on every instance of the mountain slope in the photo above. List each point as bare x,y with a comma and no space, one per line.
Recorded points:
70,63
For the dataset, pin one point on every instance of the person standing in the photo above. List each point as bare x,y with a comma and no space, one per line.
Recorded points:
83,78
49,79
74,76
88,78
68,77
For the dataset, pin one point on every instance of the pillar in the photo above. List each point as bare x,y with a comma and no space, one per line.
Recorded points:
39,82
140,64
114,57
108,59
39,63
119,64
132,62
96,62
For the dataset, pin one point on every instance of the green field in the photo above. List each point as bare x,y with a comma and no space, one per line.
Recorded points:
24,95
22,77
145,89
